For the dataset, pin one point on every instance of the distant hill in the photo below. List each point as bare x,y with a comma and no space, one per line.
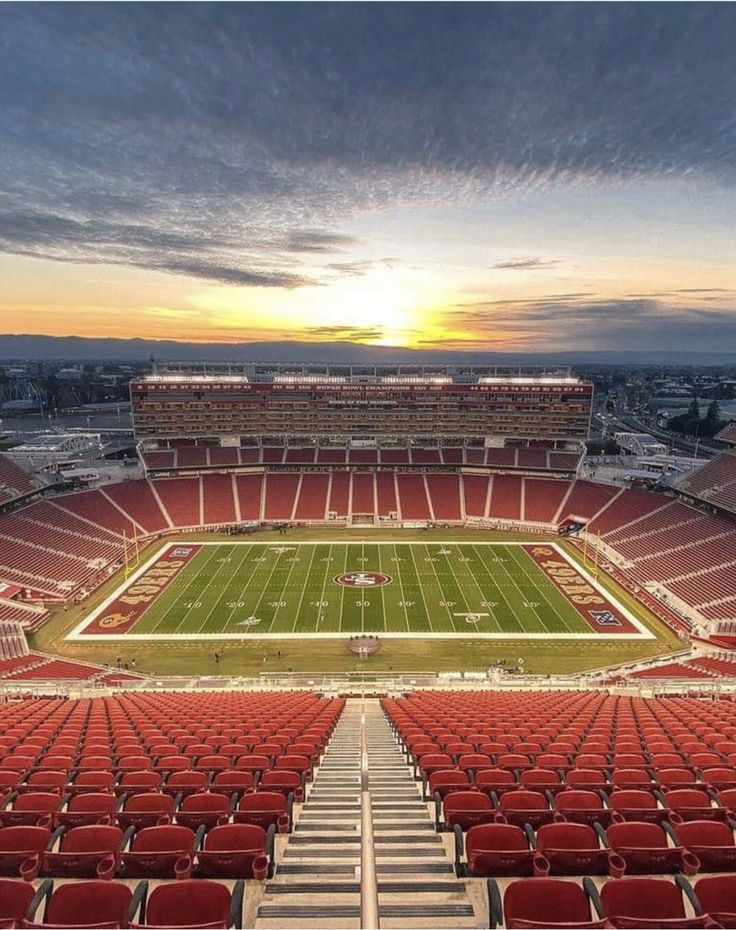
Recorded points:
77,348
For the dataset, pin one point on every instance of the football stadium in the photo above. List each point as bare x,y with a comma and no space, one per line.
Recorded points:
361,648
367,465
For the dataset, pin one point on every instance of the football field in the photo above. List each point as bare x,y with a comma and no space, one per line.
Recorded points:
222,591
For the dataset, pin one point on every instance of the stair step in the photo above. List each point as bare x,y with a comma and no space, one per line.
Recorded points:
313,888
312,911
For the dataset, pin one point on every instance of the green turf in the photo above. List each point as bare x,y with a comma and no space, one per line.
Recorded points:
269,588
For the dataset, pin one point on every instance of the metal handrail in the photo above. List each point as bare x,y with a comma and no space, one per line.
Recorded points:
369,913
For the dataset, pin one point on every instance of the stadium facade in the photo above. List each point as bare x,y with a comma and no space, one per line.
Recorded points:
386,403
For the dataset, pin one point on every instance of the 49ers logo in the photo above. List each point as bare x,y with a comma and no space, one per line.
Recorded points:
363,579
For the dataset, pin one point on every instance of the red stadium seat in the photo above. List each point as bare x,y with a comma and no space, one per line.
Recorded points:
264,809
15,899
85,852
21,849
160,852
194,903
711,842
574,849
541,903
644,849
646,902
500,849
112,904
237,850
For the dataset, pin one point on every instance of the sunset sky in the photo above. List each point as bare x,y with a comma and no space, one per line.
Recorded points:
512,176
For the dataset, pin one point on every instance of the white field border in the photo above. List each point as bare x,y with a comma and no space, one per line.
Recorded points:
78,634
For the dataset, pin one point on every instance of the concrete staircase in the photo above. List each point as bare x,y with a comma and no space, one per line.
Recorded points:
317,881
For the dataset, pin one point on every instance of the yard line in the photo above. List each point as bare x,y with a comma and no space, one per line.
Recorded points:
216,604
383,596
328,569
284,586
499,589
471,572
537,584
401,585
304,589
524,599
362,598
197,572
439,586
268,582
244,587
457,583
201,591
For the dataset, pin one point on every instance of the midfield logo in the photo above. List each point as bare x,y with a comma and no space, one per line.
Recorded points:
363,579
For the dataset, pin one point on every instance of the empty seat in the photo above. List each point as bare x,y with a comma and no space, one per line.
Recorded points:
194,903
497,850
541,903
206,809
160,852
88,808
233,782
237,850
646,902
693,804
464,809
145,810
185,783
442,783
711,841
521,807
717,898
30,810
285,783
644,849
15,898
579,806
72,904
85,852
637,804
21,849
574,849
264,809
495,780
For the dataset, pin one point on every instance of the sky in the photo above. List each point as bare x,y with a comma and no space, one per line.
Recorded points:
516,177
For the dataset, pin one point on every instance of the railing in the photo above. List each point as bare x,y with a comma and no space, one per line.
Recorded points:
362,684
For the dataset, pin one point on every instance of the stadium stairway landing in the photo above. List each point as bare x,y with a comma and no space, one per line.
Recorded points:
317,881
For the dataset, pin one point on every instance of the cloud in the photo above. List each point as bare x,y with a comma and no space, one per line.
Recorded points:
586,321
229,140
344,333
314,240
526,264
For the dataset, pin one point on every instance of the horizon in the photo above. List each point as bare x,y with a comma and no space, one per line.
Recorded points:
505,178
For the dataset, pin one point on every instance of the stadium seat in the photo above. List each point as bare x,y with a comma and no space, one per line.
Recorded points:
711,842
85,852
207,809
648,902
237,850
112,904
21,849
233,782
578,806
644,849
693,804
574,849
145,810
637,804
30,810
194,903
538,903
161,852
15,899
442,783
497,850
464,809
522,807
285,783
88,808
494,780
264,809
717,898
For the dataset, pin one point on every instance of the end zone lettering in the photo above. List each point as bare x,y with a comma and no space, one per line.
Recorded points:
151,582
